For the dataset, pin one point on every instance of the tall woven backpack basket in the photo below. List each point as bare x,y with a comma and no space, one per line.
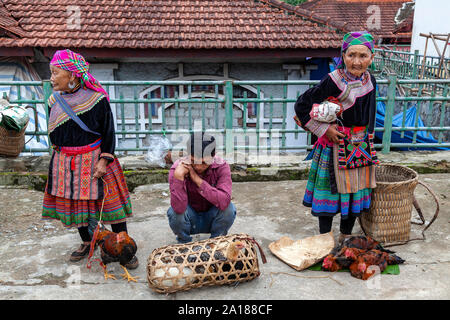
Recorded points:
389,217
11,142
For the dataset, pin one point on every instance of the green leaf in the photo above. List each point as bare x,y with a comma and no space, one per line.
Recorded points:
390,269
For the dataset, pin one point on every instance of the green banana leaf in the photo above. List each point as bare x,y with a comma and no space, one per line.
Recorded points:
390,269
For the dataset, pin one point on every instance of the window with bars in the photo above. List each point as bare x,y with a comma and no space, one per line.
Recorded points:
174,92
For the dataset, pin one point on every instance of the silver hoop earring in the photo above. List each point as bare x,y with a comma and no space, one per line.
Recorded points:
71,85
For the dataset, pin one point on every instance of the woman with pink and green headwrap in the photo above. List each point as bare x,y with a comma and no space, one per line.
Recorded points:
338,183
84,175
79,67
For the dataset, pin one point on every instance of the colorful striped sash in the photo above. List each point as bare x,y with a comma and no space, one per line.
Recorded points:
71,172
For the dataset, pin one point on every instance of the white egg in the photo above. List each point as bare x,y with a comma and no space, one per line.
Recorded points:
174,271
167,283
187,271
159,273
186,276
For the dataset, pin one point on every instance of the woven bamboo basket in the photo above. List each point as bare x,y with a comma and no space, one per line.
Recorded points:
11,142
389,217
181,267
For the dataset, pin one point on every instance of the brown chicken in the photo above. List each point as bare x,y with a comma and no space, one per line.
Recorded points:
361,267
336,260
225,260
354,253
233,250
116,247
364,242
330,264
340,257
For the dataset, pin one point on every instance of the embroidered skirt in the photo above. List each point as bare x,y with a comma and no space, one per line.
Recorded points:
73,211
321,193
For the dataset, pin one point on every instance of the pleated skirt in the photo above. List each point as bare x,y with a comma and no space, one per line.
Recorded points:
75,213
330,191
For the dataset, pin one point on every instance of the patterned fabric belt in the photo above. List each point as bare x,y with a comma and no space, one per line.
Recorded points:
71,173
73,151
353,129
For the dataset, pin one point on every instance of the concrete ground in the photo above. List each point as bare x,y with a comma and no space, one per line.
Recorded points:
34,253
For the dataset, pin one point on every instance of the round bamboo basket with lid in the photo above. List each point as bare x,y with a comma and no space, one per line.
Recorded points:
392,201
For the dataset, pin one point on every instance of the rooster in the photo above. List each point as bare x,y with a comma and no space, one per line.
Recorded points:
336,259
360,268
354,253
364,242
116,247
340,257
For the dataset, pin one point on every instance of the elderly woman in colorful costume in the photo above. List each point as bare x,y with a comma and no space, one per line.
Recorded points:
338,183
85,177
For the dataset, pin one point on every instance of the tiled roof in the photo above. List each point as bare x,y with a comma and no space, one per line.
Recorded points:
376,16
168,24
8,25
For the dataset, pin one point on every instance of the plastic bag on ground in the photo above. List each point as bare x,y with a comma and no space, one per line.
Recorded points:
159,148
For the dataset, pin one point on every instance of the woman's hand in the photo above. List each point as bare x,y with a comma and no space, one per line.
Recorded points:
333,134
100,168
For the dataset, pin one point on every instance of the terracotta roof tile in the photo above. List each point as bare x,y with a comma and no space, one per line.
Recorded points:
169,24
9,24
358,14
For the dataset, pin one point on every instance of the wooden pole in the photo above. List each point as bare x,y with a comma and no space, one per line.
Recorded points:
389,113
424,58
436,36
441,62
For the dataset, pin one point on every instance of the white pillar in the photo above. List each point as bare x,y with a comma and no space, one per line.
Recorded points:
295,72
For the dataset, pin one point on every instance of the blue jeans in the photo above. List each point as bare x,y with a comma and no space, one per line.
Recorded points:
214,221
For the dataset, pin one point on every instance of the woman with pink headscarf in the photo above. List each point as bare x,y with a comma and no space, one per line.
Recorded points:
84,175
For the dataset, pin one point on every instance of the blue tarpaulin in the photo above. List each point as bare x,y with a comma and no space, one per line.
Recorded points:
422,136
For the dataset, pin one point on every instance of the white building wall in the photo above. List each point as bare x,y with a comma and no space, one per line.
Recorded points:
430,16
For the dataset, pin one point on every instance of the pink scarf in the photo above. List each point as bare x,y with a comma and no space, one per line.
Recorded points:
74,62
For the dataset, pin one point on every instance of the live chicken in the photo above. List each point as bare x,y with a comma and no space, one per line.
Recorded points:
344,255
116,247
336,259
364,242
366,263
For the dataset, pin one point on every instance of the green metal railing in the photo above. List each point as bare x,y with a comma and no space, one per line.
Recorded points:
252,132
407,65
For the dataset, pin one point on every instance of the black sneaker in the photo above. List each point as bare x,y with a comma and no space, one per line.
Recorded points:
133,264
82,252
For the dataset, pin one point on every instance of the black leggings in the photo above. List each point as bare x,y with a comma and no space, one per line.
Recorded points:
117,227
346,226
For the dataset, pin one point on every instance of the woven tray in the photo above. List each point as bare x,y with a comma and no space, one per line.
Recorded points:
303,253
389,217
182,267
